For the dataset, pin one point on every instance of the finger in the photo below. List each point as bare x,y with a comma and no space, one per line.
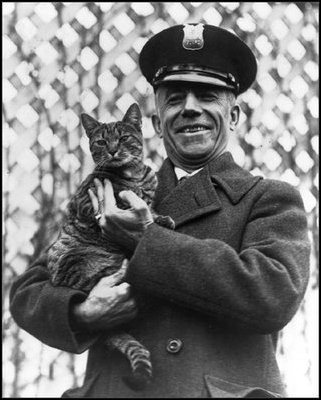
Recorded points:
111,280
123,269
120,274
102,220
133,200
100,194
110,201
106,286
110,297
117,277
123,291
94,201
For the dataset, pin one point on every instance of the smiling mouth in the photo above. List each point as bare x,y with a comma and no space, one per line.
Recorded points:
193,128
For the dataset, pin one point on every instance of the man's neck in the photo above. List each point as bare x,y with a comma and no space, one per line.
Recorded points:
189,167
182,172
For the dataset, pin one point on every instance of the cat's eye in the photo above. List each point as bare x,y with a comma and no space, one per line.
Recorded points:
101,142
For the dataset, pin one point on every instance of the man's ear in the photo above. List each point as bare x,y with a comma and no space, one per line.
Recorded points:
157,125
235,117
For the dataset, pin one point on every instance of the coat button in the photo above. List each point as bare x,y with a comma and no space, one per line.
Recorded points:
174,345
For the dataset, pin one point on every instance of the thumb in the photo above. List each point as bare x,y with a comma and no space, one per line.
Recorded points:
135,202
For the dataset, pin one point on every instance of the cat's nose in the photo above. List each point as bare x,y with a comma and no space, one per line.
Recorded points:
112,152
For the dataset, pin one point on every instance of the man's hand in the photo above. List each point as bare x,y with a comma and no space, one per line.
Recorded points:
121,227
108,304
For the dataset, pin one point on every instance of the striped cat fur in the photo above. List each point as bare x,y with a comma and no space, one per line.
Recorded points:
80,256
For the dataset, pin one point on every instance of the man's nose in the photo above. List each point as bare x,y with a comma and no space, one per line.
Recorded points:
191,106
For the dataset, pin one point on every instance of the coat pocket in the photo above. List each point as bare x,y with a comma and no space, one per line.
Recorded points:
219,388
87,390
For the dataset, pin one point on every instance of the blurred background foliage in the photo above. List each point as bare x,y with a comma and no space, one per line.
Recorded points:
61,59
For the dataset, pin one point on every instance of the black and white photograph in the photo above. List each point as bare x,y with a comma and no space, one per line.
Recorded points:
160,199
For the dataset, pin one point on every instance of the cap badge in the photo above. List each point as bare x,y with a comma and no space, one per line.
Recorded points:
193,37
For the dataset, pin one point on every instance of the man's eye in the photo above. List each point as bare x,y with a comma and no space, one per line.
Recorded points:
101,142
174,98
209,97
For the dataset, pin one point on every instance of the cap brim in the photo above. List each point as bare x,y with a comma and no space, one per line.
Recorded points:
195,78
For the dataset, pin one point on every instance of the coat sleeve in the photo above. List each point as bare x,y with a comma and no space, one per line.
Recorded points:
43,310
258,288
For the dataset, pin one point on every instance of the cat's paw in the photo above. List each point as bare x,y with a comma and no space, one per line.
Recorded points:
165,221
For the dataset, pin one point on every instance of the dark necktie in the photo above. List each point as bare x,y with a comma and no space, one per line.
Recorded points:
182,179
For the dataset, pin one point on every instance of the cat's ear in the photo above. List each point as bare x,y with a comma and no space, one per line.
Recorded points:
133,116
89,123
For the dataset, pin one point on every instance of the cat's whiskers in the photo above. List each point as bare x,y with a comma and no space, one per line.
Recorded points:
102,163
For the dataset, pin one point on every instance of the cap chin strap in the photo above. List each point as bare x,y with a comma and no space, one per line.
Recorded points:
195,73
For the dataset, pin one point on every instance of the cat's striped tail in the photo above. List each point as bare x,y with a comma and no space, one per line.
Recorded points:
138,356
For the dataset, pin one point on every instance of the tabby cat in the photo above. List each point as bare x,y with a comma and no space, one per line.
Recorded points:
80,256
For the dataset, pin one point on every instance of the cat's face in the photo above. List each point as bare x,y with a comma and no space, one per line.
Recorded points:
116,144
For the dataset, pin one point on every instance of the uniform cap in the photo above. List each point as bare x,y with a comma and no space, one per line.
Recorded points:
198,53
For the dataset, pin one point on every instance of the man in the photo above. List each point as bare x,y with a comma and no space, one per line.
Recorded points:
222,284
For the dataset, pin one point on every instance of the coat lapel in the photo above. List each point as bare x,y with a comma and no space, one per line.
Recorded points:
231,178
184,202
197,195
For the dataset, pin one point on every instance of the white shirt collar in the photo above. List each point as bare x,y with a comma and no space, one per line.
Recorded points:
180,173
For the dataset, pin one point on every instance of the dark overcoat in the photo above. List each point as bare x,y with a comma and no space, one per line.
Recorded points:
217,290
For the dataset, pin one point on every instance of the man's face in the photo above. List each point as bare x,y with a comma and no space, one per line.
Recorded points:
194,120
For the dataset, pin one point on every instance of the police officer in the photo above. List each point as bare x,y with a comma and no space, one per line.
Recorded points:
219,287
